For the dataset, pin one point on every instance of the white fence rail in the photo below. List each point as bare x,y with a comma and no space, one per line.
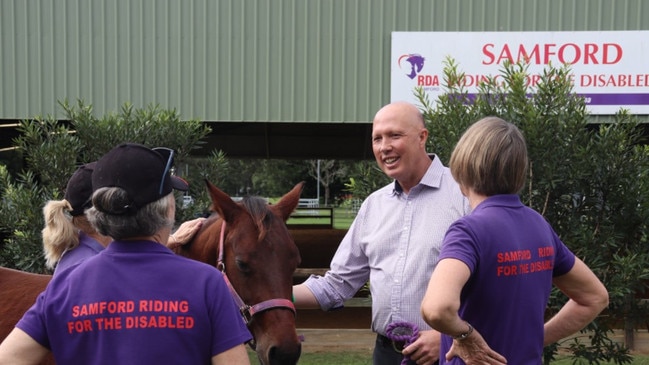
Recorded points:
308,203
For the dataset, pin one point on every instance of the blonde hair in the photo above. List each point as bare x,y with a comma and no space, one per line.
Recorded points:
59,233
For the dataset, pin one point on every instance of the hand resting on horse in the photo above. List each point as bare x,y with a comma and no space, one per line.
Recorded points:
184,233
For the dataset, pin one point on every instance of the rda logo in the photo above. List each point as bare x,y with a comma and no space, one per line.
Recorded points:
413,64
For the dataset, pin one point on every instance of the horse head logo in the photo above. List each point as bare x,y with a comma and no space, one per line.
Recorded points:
415,64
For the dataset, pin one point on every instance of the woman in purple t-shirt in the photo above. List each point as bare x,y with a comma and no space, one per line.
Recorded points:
135,302
497,265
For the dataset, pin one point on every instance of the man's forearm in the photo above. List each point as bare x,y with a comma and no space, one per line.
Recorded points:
303,298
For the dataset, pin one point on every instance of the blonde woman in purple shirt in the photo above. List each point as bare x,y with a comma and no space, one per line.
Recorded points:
395,239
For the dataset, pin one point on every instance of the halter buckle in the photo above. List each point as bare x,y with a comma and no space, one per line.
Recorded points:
246,314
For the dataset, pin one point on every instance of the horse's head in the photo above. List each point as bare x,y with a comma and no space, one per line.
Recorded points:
259,259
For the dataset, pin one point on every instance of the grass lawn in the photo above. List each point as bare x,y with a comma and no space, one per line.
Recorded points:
637,360
342,217
365,358
321,358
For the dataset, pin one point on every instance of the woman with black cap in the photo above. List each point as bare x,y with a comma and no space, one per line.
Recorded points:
136,302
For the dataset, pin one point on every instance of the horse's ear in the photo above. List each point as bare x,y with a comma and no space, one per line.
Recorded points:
287,204
222,203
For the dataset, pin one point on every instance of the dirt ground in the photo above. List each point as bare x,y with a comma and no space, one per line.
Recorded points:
348,317
349,330
318,340
362,340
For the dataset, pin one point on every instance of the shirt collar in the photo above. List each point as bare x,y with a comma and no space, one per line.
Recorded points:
503,200
136,246
432,178
91,242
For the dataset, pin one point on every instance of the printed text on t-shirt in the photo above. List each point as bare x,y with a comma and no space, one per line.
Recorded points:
130,314
523,262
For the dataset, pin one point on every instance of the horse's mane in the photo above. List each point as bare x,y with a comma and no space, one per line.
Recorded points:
258,209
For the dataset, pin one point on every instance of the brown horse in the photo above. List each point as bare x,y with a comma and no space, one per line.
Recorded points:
258,256
18,291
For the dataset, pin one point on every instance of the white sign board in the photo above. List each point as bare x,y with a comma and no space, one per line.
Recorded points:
610,69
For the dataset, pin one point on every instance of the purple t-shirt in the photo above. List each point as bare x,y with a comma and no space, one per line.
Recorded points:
513,254
88,247
136,303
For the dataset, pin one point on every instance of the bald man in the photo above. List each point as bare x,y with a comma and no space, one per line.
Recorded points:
395,239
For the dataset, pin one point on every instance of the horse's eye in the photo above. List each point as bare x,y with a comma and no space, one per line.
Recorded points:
243,267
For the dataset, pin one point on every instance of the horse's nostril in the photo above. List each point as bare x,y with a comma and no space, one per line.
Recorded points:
283,356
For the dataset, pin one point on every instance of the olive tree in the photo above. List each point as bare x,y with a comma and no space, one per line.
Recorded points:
589,181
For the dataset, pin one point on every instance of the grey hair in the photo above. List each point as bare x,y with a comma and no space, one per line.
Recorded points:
120,224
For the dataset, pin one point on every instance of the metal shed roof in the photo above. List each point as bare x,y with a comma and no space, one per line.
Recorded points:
270,68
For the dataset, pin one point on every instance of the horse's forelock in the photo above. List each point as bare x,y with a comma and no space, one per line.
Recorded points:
261,214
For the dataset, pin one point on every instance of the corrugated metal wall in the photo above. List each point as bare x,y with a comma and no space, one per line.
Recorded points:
246,60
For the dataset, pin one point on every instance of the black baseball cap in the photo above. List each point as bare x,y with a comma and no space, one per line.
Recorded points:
144,173
79,189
